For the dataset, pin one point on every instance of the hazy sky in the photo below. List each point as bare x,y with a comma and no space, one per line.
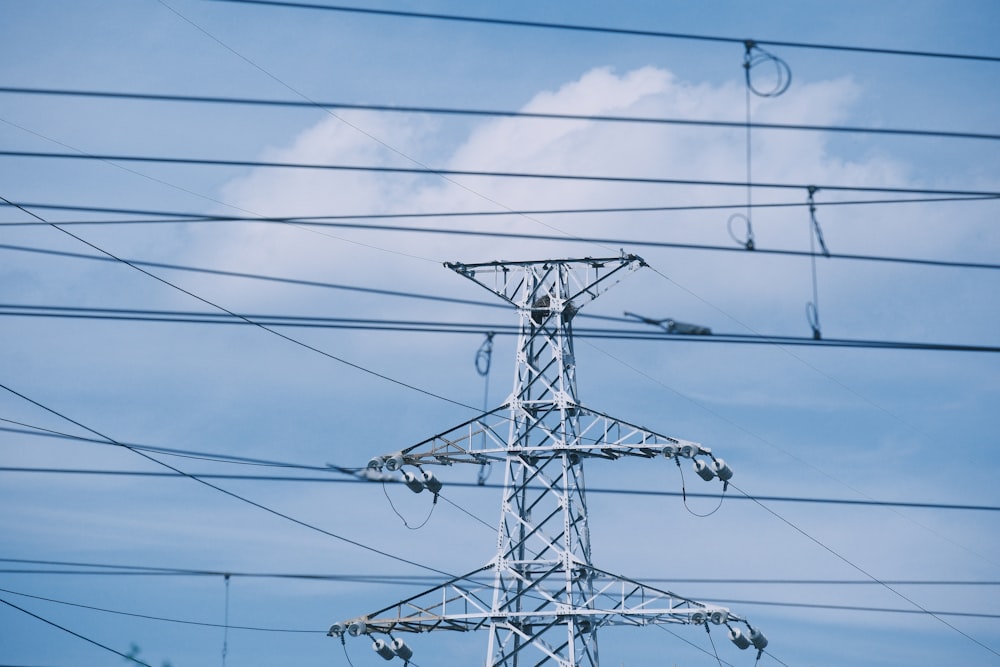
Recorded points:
807,422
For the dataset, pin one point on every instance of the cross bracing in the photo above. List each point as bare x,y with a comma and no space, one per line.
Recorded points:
547,600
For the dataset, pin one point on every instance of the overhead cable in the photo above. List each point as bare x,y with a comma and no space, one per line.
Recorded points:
769,603
215,487
481,329
497,113
118,569
610,30
263,327
648,180
475,233
470,485
163,619
130,658
196,217
169,451
864,572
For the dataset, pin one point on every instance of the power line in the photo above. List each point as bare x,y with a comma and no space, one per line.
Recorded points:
424,580
427,326
182,453
151,458
231,494
198,217
864,572
495,113
840,607
216,306
37,431
75,634
259,276
649,180
615,31
769,603
476,485
477,233
159,618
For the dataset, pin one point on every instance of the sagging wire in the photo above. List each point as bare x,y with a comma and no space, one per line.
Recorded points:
753,56
712,642
484,359
346,655
225,632
403,518
815,234
680,470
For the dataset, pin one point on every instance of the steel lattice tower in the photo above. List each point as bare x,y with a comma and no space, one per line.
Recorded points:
547,600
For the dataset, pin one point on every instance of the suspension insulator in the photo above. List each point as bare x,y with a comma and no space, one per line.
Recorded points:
738,638
380,647
690,450
357,628
432,483
394,462
337,630
698,617
719,616
376,463
722,470
758,639
412,482
400,648
703,471
670,451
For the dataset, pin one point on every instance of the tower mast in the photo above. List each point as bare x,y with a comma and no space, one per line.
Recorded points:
547,600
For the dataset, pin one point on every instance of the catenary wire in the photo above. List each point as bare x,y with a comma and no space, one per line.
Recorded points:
196,217
257,276
648,180
696,122
725,601
427,326
767,441
216,306
476,233
609,30
213,304
357,128
118,569
75,634
890,589
864,572
227,492
476,485
182,453
163,619
37,431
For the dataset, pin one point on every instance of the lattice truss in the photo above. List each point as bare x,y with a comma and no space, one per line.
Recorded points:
541,598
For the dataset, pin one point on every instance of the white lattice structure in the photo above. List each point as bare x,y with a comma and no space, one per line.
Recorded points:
541,599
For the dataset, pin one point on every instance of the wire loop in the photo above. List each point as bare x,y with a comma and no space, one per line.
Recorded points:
812,316
484,355
484,358
747,240
754,56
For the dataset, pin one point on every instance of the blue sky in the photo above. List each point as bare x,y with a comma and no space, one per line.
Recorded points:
859,424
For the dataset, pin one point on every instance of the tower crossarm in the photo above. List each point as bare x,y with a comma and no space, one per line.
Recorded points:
600,436
586,278
462,605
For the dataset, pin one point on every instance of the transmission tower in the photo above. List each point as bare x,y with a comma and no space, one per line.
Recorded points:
547,600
